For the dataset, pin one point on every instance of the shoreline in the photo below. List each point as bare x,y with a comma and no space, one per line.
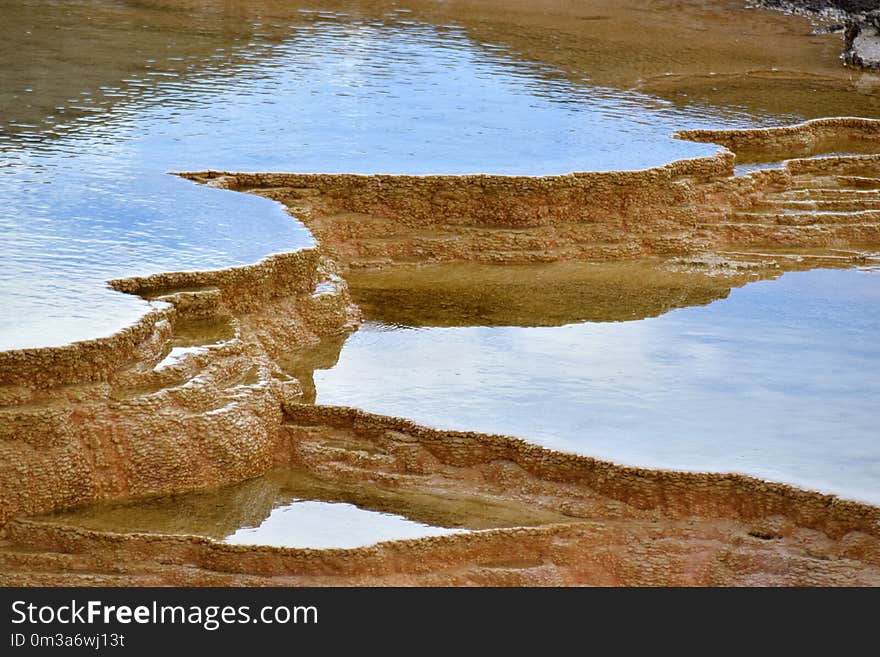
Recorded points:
101,421
858,20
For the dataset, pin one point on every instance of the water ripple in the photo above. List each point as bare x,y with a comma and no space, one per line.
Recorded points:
86,141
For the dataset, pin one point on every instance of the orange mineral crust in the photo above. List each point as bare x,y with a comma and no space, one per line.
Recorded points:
199,394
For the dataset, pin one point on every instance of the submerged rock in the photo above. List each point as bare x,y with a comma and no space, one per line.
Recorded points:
860,17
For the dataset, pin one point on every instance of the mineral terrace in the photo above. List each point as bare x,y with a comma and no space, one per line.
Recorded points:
116,419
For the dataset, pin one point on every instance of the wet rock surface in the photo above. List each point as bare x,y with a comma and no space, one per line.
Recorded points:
683,208
129,418
598,523
828,6
863,41
859,19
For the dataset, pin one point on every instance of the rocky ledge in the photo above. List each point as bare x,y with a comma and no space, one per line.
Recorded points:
863,40
209,390
860,20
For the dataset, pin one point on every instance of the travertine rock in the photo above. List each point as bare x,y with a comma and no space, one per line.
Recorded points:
123,418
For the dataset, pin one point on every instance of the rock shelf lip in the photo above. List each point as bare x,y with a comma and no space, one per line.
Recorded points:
233,548
154,283
54,365
206,175
551,465
834,516
581,463
672,209
152,287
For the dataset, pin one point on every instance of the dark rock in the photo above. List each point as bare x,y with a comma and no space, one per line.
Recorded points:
834,28
824,6
863,40
861,19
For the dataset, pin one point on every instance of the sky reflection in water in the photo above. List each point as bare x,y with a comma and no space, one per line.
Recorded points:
774,381
87,199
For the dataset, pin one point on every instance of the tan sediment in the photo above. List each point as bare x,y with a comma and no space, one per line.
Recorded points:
99,420
669,494
373,220
544,294
816,136
684,208
114,419
243,288
626,526
713,52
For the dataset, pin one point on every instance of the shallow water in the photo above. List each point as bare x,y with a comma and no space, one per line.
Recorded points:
288,508
309,524
100,100
776,381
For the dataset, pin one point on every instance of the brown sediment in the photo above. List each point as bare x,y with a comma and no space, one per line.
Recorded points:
127,418
662,47
846,134
859,20
108,418
545,294
621,526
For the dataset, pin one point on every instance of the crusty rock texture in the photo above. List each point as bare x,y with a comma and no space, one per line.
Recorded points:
200,392
621,526
117,417
863,41
683,208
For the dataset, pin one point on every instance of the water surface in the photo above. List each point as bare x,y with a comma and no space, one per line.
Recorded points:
776,380
290,508
100,100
